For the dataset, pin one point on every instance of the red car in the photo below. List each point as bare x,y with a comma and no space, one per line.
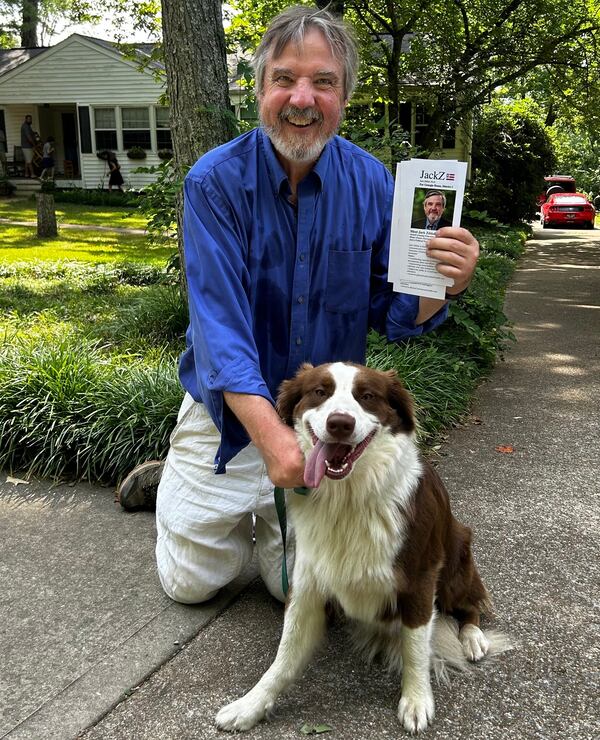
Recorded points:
562,209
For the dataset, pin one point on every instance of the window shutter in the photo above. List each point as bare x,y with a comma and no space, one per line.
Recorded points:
85,133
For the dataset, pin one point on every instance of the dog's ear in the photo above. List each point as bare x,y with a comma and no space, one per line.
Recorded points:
400,400
290,393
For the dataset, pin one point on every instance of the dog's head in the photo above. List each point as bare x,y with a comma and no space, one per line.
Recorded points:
338,410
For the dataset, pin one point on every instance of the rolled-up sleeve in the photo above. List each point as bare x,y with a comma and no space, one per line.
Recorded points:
225,353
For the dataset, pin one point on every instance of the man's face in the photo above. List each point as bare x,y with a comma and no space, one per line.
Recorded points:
301,104
433,207
28,119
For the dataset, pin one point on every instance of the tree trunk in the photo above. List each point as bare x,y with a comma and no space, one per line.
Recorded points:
197,86
29,23
46,215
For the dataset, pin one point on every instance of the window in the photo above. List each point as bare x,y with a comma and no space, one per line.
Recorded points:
105,128
448,138
136,127
421,125
163,130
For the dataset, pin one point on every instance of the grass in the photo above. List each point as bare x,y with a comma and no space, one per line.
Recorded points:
21,244
91,326
72,213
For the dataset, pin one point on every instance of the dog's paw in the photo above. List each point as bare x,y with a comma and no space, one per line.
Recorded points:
242,714
416,710
475,644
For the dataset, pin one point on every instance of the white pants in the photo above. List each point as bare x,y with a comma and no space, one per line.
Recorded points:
205,521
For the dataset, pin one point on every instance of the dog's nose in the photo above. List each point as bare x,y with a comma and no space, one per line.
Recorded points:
340,425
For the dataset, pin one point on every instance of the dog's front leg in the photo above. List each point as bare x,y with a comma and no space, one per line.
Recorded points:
416,708
303,628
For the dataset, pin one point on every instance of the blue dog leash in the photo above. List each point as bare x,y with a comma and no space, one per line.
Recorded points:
279,494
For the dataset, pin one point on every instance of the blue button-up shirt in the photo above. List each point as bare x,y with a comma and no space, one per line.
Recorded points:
274,284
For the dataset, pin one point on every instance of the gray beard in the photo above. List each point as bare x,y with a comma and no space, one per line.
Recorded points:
297,151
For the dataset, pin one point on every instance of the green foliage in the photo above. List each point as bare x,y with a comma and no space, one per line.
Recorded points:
158,202
578,154
6,186
511,154
96,197
69,410
477,327
136,152
441,384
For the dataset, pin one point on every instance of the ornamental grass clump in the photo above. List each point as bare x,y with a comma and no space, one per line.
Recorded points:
67,409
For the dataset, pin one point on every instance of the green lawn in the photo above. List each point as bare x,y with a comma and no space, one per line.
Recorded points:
20,209
21,244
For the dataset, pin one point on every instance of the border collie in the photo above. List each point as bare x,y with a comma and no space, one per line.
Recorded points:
375,536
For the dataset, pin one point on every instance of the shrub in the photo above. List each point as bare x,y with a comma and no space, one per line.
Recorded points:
69,410
511,154
158,202
97,197
6,186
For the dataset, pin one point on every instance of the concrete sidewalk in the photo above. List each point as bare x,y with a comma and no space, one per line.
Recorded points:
84,618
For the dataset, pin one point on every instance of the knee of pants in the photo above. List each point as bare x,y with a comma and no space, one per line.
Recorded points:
180,583
185,592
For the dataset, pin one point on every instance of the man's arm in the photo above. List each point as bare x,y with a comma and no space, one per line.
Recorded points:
275,441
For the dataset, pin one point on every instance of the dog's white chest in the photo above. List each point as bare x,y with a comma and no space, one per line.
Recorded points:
350,554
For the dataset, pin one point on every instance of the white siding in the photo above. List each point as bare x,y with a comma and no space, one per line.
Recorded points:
95,171
79,71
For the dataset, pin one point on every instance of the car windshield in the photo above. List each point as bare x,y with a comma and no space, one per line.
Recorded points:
567,200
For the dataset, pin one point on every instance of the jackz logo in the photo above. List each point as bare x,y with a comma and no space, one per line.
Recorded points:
435,175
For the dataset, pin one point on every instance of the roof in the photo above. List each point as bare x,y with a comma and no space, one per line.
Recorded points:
11,58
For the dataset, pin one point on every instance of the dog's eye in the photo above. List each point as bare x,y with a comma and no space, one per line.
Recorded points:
367,397
320,393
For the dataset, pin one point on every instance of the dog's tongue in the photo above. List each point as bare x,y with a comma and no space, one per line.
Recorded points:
315,462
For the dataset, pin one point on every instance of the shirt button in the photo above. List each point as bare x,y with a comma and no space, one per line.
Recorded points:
300,299
298,340
301,257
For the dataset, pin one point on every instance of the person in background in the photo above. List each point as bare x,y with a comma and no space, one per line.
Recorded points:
28,142
286,232
115,178
48,159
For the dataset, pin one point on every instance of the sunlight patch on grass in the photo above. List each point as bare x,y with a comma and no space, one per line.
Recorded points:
21,243
73,213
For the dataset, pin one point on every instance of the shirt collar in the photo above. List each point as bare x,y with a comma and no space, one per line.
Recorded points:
277,173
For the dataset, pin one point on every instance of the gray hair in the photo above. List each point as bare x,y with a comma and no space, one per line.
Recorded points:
431,193
291,25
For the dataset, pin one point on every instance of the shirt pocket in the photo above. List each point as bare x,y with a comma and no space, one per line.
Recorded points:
348,281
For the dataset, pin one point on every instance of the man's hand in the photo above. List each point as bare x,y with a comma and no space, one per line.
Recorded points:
284,460
276,442
456,251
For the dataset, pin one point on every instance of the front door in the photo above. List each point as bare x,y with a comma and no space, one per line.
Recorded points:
69,128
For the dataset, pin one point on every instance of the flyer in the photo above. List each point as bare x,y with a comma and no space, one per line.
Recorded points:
428,195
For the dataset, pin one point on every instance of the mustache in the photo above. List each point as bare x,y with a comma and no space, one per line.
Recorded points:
303,115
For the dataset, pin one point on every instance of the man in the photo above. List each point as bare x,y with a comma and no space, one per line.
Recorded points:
27,144
286,232
434,206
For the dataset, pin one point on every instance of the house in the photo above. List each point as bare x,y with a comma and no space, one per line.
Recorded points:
90,96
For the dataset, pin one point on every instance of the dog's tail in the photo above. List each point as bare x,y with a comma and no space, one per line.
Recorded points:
383,641
448,653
